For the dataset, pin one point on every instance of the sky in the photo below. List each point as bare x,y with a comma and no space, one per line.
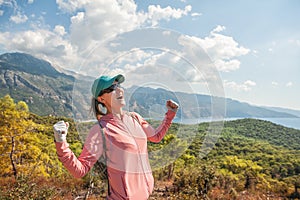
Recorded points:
244,50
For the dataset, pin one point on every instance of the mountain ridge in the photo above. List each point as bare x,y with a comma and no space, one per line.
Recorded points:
286,110
49,91
234,108
29,64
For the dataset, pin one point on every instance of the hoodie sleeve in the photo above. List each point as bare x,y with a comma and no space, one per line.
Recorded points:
156,135
91,152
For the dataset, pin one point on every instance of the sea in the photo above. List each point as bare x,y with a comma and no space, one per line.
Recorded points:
287,122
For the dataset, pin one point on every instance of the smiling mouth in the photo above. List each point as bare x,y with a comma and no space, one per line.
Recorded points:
120,97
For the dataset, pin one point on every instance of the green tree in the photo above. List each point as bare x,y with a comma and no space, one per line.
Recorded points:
195,180
171,148
247,170
23,151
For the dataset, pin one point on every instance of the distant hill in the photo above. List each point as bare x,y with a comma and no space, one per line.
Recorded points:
49,91
285,110
144,99
267,131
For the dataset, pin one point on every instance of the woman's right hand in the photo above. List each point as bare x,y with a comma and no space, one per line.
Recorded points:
60,130
172,105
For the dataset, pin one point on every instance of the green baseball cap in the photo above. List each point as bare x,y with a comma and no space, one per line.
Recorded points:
104,82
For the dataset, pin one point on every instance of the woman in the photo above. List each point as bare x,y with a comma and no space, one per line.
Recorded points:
125,142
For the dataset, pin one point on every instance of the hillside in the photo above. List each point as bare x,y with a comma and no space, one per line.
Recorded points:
252,159
48,91
269,132
35,81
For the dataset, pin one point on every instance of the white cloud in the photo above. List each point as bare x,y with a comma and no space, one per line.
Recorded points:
289,84
222,49
120,15
92,22
41,43
1,12
274,83
156,13
195,14
100,20
103,19
227,66
246,86
218,29
60,30
7,2
30,1
19,18
250,83
294,42
71,5
78,18
221,46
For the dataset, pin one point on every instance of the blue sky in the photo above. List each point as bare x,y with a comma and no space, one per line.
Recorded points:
254,45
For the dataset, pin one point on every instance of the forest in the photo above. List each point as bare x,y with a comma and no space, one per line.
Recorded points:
251,159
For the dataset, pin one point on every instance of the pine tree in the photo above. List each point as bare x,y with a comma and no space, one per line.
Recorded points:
23,151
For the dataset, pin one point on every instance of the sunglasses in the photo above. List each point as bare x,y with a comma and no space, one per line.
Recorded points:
110,89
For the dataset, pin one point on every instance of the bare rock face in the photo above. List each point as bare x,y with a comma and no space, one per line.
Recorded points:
35,81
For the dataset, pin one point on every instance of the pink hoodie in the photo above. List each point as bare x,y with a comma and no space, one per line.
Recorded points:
129,171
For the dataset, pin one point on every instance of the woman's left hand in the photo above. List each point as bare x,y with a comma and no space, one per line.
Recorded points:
172,105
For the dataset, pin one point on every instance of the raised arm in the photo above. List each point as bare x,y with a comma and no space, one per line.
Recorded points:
156,135
91,152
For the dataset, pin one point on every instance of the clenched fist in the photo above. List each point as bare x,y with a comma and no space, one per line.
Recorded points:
172,105
60,131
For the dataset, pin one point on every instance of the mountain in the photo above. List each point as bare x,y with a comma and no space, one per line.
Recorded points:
28,64
35,81
49,90
154,99
285,110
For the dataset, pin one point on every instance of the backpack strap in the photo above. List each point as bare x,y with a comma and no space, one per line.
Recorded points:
104,151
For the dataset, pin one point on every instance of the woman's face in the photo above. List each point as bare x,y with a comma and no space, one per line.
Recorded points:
114,100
